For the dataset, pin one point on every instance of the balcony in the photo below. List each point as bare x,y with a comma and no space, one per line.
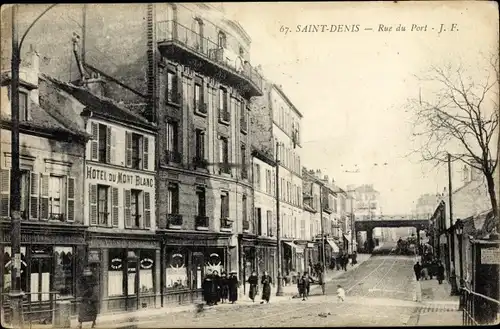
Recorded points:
199,162
174,221
224,168
224,116
173,156
184,45
327,209
201,223
226,225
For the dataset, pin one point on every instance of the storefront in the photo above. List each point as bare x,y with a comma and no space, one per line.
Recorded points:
331,250
128,270
293,257
186,258
51,258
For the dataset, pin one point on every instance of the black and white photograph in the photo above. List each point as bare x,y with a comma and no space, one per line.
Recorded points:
249,164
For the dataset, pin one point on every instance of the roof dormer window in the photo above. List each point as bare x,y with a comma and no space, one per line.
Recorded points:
222,39
23,106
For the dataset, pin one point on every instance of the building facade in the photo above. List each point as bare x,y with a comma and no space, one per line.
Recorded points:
52,153
119,195
185,67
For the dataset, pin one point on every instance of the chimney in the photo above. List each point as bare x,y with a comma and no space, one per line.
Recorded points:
95,84
33,72
326,178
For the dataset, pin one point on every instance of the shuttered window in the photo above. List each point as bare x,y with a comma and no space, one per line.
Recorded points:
145,148
34,195
93,204
126,207
70,199
4,192
114,205
128,149
147,209
44,197
94,144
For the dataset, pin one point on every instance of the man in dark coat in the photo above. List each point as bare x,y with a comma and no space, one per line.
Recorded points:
253,280
301,287
224,287
354,260
440,272
417,269
209,289
232,283
266,282
217,283
89,305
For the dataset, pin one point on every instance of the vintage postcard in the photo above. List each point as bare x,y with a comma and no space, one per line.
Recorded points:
249,164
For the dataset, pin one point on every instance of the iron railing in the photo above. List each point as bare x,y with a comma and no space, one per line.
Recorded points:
201,221
174,219
478,309
172,31
173,156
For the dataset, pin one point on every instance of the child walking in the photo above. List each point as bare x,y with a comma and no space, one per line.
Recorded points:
340,293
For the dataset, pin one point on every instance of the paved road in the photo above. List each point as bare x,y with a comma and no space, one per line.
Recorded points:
379,292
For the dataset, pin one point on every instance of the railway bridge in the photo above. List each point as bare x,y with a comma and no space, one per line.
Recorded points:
365,223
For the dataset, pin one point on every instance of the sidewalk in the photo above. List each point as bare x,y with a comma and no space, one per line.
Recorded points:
124,319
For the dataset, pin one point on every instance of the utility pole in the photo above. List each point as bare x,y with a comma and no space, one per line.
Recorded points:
451,246
15,293
352,225
279,290
323,254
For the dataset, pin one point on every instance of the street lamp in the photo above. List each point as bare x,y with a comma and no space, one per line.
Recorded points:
16,293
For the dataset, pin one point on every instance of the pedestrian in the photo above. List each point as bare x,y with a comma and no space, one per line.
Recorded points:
340,293
308,284
354,258
440,272
88,306
338,262
224,287
253,280
209,289
332,263
301,287
344,262
217,286
417,269
232,284
266,282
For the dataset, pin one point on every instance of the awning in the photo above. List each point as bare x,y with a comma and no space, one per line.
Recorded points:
334,246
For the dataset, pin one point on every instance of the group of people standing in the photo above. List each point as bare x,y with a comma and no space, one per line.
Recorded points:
434,268
220,288
304,285
342,260
266,282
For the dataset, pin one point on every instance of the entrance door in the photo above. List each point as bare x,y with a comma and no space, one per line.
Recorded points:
41,267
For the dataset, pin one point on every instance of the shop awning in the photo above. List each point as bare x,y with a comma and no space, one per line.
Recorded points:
334,246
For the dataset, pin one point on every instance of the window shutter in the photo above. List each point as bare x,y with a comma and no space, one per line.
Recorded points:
4,192
93,204
112,133
108,144
114,206
44,197
147,210
145,148
128,148
70,206
94,149
128,217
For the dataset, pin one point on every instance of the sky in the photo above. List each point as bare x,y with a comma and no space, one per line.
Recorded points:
351,87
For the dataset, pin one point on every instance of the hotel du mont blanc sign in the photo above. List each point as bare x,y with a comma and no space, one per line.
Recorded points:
117,177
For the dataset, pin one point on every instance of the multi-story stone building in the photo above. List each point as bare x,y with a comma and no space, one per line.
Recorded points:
276,128
187,68
318,194
52,153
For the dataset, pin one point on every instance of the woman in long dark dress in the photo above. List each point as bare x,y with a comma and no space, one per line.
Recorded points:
209,289
301,287
232,283
266,282
217,287
253,280
88,307
224,288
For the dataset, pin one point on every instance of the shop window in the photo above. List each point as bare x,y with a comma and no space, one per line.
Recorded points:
115,272
176,272
63,271
7,263
131,274
198,272
214,261
147,267
40,266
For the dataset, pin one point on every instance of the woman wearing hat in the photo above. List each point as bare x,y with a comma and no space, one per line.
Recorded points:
253,280
233,284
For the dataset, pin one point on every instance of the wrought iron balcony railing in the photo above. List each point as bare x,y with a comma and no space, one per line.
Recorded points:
200,162
172,32
224,115
173,156
174,220
226,223
201,221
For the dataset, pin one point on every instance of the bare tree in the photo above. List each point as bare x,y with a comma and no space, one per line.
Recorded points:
460,112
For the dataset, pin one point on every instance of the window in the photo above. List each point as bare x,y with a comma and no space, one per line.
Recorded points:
173,198
146,271
172,88
102,142
268,182
102,146
63,271
223,106
172,145
224,155
102,204
243,116
270,230
258,215
117,260
23,106
25,194
256,177
244,208
137,151
224,205
176,270
243,152
222,39
199,105
199,145
135,209
55,197
202,207
242,52
199,33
